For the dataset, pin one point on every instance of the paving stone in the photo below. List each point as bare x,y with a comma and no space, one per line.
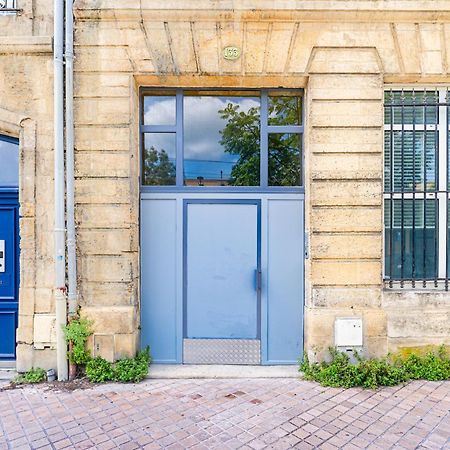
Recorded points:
208,414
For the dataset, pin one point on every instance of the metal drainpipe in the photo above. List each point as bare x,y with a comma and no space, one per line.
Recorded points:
59,232
70,169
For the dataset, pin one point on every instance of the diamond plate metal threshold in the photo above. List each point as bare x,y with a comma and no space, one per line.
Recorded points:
192,371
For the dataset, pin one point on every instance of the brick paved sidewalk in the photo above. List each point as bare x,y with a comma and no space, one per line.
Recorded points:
244,413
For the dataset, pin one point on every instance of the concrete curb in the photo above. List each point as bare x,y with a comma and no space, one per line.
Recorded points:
187,371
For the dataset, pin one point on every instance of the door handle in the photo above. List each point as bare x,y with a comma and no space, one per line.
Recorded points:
2,256
258,279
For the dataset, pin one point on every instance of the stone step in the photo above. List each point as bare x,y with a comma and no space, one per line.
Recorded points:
7,374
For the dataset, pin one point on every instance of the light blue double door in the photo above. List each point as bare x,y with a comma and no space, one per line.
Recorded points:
222,279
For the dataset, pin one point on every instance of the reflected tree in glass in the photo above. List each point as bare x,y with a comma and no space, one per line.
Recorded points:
241,136
285,110
158,169
284,159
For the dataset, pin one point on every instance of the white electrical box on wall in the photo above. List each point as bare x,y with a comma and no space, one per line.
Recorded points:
44,331
348,332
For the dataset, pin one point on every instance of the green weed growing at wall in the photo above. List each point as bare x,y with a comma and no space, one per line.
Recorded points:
76,333
33,376
126,370
372,373
98,369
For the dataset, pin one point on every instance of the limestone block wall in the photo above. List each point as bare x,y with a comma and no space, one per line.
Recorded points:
34,18
26,104
344,159
343,53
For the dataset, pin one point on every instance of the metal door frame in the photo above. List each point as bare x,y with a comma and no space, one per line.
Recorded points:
179,193
179,198
265,130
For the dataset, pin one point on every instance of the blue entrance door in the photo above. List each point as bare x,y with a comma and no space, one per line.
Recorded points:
222,267
9,246
222,279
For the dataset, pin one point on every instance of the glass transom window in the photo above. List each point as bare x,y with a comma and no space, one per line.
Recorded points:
9,162
416,188
202,139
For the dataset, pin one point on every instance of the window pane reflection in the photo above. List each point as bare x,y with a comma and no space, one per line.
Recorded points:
410,165
285,110
284,159
159,110
159,163
413,235
221,140
9,162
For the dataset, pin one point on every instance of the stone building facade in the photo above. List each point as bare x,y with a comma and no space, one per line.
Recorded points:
342,55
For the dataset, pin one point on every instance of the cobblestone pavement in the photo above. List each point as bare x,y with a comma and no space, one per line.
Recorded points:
244,413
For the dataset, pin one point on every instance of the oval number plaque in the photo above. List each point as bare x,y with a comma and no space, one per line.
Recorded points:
231,53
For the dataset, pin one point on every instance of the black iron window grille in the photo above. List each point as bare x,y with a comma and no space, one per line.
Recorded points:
416,188
8,6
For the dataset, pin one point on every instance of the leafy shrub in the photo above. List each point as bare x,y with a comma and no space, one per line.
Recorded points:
33,376
339,372
77,332
126,370
98,370
371,373
132,369
433,366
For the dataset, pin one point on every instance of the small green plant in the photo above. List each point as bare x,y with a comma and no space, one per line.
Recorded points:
77,333
433,366
371,373
132,370
33,376
98,370
126,370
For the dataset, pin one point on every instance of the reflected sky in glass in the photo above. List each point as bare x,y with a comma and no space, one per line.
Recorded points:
161,141
9,164
205,158
159,110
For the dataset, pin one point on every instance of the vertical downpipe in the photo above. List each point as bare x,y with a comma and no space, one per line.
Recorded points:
60,263
70,169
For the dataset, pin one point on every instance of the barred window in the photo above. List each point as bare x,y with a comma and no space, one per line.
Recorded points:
7,5
416,188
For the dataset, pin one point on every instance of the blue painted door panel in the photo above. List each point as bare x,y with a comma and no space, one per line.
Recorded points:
9,273
283,343
159,311
221,260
